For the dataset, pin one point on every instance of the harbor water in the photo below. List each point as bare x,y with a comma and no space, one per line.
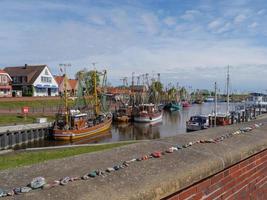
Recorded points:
173,123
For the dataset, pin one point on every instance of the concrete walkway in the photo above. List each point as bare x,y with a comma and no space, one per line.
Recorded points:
150,179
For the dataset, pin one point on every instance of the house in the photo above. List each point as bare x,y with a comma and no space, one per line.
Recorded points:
5,84
71,85
61,84
33,80
74,86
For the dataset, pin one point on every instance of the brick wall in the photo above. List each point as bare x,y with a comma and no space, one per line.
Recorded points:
244,180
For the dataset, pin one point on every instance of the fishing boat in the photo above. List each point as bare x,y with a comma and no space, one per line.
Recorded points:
173,106
123,114
74,124
209,99
197,122
186,104
221,119
147,113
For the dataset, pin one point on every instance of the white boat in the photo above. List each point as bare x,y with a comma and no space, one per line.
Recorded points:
256,99
148,113
209,99
197,122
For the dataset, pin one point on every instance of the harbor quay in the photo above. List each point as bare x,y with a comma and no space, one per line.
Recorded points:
222,162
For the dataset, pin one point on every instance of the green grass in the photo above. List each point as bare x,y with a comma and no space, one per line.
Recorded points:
19,119
18,159
33,104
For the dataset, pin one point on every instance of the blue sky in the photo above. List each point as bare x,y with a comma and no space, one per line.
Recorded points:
187,41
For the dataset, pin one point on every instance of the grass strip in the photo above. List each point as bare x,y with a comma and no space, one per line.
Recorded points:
19,119
18,159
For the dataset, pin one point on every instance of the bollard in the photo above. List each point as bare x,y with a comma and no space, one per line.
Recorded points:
232,118
254,112
246,115
1,141
243,116
5,141
13,139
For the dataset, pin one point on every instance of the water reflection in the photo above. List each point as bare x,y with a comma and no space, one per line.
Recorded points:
173,123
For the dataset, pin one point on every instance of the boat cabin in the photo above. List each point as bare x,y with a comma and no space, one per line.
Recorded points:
78,121
256,99
147,108
221,119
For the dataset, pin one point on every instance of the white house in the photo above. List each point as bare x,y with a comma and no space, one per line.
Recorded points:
33,80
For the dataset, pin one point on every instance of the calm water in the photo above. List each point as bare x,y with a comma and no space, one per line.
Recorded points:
172,124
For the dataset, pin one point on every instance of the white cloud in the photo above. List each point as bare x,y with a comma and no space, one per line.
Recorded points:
213,25
150,22
261,12
240,18
98,20
253,25
191,14
130,39
170,21
226,27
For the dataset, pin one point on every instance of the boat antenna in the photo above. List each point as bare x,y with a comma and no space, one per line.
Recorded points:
65,91
95,90
227,89
215,105
133,96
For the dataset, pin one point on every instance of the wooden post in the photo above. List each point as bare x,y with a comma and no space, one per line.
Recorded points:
254,112
232,118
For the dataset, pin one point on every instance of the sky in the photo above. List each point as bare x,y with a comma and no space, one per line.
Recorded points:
190,42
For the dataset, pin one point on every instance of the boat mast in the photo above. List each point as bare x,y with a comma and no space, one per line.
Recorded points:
227,89
95,91
132,91
215,105
65,92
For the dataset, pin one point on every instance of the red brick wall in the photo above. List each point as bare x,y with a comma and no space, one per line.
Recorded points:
245,180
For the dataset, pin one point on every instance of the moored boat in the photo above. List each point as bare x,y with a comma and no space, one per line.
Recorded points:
173,106
80,126
78,123
148,113
209,99
186,104
197,122
123,114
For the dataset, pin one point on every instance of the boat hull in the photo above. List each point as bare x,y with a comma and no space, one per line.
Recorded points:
148,119
78,134
172,107
124,118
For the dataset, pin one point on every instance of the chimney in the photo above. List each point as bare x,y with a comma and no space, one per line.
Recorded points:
25,66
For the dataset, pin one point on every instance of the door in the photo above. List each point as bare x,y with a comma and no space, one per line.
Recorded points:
49,91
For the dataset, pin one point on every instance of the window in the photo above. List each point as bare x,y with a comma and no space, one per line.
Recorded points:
3,79
17,79
46,72
46,79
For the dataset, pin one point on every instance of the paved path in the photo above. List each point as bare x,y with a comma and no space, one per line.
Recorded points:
150,179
